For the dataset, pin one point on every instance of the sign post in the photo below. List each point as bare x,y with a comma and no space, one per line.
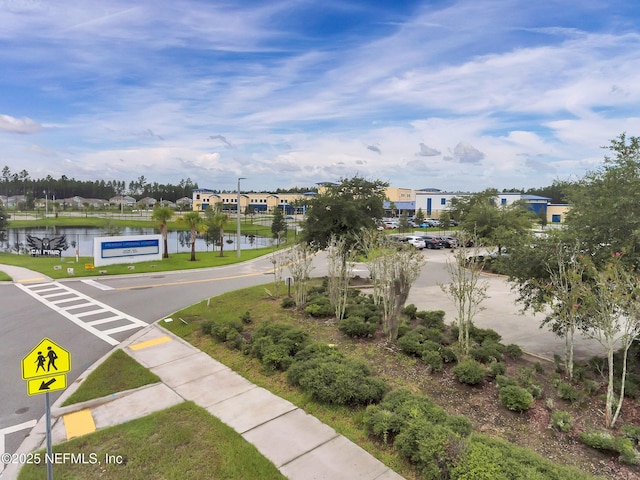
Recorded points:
45,369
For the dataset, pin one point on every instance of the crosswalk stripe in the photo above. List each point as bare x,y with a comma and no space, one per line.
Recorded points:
37,290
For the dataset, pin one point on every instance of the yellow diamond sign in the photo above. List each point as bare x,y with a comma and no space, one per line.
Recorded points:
47,359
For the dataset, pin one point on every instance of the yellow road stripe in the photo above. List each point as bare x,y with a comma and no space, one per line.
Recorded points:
36,279
79,423
186,282
149,343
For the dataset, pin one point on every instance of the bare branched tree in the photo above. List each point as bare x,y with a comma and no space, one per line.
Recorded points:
562,293
340,269
299,260
395,270
278,260
612,304
466,290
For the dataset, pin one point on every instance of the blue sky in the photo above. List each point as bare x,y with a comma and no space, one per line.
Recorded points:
457,95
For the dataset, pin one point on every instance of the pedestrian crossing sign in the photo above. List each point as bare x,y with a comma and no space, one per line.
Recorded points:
47,359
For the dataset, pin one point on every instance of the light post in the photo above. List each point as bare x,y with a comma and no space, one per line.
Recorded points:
238,219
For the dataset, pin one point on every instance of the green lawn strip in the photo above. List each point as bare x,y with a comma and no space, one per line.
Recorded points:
119,372
183,442
346,421
246,227
4,277
176,261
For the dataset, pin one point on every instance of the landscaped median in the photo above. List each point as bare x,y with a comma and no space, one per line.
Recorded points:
183,441
307,360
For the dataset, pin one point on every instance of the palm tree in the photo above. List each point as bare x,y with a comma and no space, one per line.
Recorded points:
220,220
163,215
195,222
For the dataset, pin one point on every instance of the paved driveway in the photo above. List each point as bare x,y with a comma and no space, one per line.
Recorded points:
501,313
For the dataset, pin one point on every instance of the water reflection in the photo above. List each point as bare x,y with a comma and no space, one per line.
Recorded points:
81,239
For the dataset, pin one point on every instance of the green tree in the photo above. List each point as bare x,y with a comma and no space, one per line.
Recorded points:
343,210
215,221
605,212
278,225
163,215
419,217
403,223
4,221
194,221
481,216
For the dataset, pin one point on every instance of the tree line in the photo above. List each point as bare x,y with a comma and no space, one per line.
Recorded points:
21,183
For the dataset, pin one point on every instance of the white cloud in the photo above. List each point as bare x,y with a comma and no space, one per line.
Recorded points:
19,125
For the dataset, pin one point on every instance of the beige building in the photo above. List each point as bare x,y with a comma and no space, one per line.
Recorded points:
258,201
556,212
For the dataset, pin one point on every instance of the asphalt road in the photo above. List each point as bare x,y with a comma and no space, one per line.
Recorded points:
25,321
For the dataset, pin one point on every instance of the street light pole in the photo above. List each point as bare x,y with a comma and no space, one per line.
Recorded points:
238,219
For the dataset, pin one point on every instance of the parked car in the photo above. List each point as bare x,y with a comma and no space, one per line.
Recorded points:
417,241
449,242
432,242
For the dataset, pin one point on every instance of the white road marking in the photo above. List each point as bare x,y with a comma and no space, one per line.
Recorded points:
12,429
99,285
98,308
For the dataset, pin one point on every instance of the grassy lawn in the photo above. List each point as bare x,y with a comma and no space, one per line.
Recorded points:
184,442
57,267
176,261
4,277
102,382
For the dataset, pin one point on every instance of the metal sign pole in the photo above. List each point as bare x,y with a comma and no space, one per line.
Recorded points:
48,423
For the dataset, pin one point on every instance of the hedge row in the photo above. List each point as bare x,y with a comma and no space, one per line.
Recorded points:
443,446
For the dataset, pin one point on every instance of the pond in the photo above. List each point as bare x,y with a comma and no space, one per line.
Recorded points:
81,238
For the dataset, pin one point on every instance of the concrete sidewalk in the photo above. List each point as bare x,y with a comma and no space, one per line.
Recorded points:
298,444
23,275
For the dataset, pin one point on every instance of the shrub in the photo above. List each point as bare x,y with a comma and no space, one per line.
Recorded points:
331,378
624,446
415,341
481,335
631,431
410,311
319,307
357,327
599,440
568,392
246,317
496,368
504,381
448,355
432,318
513,350
275,344
288,302
221,330
516,398
433,360
561,420
591,387
485,353
469,371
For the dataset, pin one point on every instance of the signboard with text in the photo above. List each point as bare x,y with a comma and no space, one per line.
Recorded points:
127,249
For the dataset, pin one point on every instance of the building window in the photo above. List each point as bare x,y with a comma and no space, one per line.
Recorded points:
197,196
443,201
503,201
556,218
